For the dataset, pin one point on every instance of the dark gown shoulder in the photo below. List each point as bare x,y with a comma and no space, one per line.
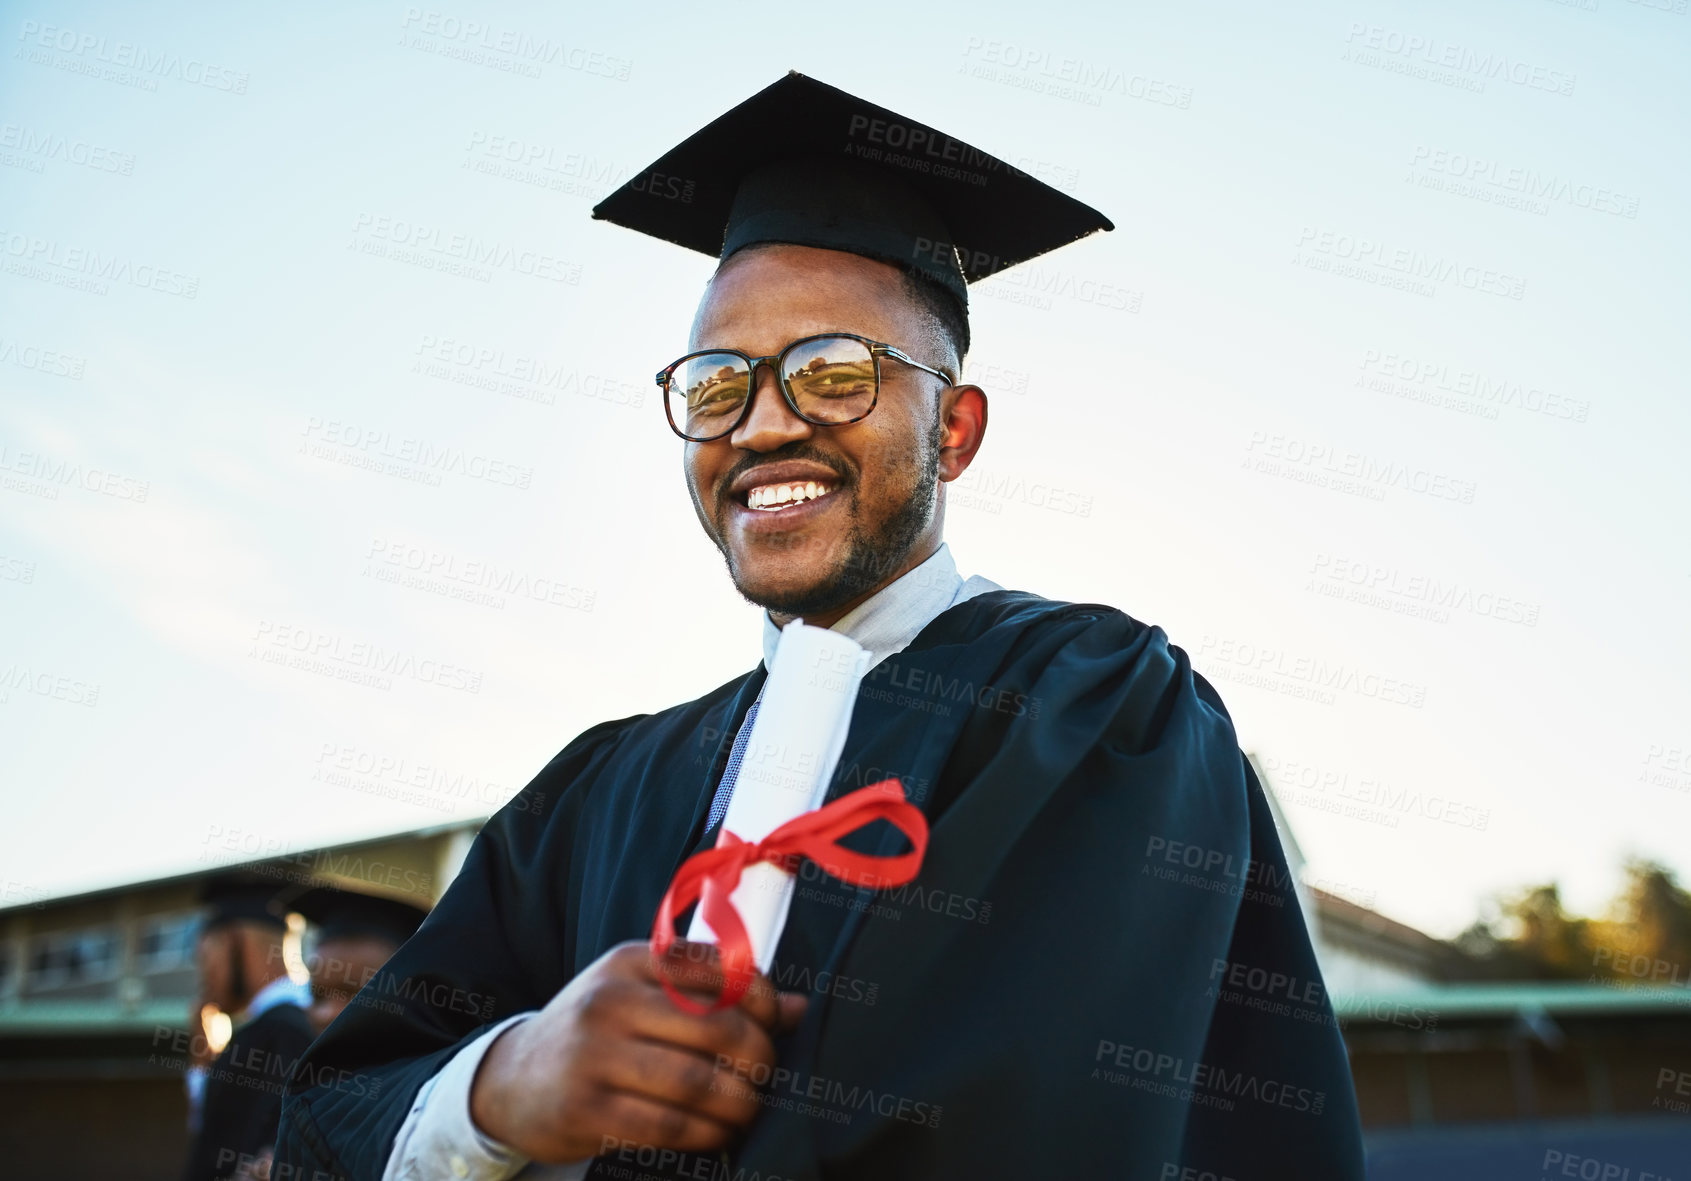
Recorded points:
242,1105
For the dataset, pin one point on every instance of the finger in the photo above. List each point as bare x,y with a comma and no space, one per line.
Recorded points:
696,968
681,1078
648,1012
691,967
792,1008
637,1120
760,1002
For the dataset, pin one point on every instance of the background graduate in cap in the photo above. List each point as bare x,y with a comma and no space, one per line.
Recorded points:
243,974
1040,1002
352,935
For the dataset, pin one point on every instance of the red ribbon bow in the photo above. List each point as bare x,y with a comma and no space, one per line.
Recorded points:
709,877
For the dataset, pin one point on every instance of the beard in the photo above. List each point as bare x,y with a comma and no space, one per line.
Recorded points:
875,551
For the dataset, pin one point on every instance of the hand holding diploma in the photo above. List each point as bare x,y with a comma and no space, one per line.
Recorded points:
610,1061
744,886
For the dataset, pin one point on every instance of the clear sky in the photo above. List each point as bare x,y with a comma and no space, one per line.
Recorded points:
1375,400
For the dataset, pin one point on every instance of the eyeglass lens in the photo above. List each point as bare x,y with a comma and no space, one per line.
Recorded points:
832,379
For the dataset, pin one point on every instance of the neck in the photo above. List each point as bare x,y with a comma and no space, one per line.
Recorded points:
262,975
918,554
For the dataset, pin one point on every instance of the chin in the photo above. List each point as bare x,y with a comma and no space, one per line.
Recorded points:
789,592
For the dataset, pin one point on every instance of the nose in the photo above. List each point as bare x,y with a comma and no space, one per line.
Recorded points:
770,423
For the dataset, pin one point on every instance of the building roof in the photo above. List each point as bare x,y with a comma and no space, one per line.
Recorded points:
191,875
1511,999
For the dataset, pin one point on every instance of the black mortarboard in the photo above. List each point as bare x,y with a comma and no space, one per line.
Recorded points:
340,914
804,163
241,897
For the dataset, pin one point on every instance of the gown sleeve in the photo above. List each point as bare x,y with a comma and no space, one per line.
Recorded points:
495,945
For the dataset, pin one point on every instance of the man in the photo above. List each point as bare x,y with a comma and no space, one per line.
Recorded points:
352,935
242,972
1042,1000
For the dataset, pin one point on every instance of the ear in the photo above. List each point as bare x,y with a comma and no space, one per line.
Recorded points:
963,425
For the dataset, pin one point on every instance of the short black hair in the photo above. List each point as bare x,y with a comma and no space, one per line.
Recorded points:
950,321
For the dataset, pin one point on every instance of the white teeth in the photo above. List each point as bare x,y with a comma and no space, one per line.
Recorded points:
770,497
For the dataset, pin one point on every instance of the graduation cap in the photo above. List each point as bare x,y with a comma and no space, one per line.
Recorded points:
344,914
241,897
804,163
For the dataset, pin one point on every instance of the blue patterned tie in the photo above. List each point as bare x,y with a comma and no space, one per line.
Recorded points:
736,756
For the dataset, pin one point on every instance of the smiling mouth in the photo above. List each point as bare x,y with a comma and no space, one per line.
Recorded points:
774,498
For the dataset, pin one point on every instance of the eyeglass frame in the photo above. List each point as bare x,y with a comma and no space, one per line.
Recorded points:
877,350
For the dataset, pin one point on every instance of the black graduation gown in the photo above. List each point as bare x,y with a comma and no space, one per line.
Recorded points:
243,1092
1089,977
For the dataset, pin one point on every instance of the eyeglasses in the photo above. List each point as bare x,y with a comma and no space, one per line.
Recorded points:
828,380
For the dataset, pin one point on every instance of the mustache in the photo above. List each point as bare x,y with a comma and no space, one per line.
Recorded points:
801,449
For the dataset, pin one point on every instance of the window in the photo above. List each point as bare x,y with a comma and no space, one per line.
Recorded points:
166,943
65,959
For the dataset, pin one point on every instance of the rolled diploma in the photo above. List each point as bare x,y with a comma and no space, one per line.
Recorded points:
790,757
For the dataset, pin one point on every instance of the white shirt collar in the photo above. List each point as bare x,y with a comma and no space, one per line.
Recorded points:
280,991
889,620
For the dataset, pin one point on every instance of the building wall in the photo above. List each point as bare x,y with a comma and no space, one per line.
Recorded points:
92,1129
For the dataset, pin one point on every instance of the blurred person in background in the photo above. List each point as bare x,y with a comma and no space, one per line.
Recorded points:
243,975
352,935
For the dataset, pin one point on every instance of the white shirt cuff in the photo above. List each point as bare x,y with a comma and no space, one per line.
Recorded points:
440,1142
